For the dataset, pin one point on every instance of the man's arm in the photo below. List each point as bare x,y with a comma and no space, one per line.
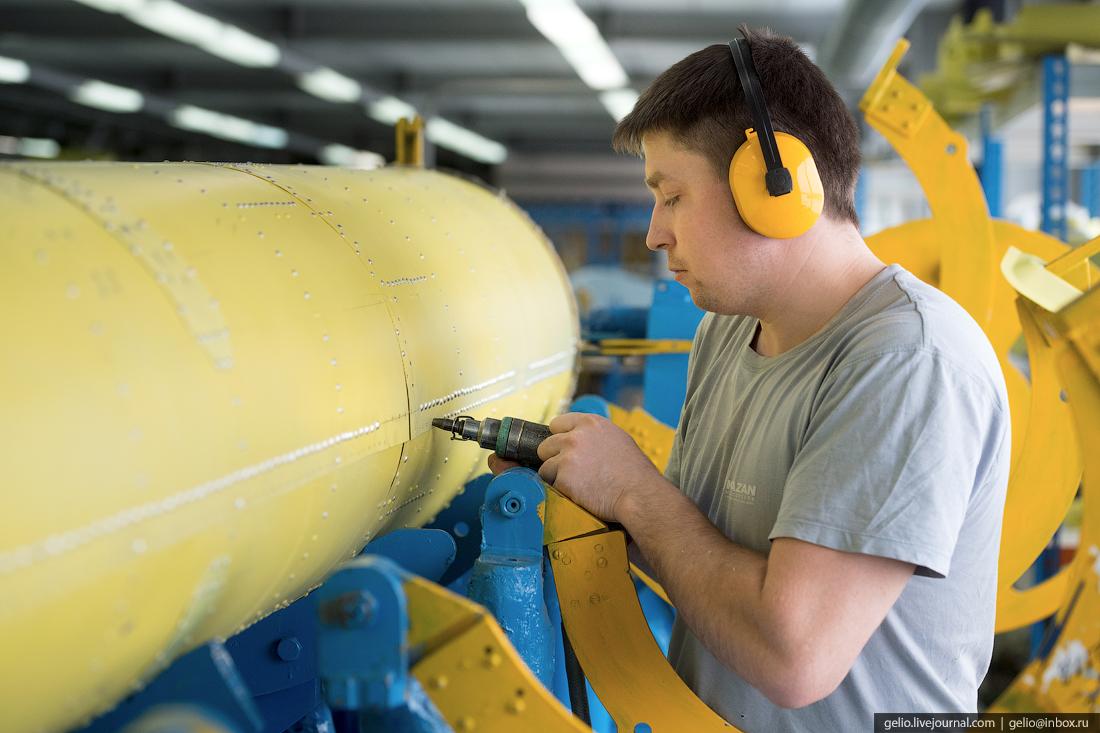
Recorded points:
791,623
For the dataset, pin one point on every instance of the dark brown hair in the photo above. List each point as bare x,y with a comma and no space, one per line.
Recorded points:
699,102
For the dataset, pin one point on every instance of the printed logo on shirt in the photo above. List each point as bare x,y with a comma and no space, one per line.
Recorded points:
741,492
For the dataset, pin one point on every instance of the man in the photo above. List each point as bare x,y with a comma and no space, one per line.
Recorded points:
829,520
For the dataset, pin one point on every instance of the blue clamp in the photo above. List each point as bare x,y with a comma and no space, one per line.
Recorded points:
510,524
424,552
205,681
508,577
592,404
361,653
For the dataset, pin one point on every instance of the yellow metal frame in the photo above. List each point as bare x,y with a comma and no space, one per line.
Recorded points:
1065,680
642,347
409,142
471,671
605,623
937,156
984,61
960,250
652,436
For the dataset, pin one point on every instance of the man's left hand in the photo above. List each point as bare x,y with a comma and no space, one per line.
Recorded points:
593,462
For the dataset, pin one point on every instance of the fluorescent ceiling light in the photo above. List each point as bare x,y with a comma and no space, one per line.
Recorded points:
14,71
447,134
579,40
388,110
595,65
228,127
244,48
101,95
619,102
561,21
32,147
39,147
169,18
336,154
331,85
112,6
177,21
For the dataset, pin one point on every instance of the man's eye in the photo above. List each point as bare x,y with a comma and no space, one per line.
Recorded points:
671,201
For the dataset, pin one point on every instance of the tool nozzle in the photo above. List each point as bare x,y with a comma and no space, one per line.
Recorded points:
462,427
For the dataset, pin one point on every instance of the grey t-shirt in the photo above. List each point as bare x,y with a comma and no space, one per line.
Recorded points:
886,433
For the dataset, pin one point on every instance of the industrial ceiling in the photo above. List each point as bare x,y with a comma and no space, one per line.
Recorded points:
480,65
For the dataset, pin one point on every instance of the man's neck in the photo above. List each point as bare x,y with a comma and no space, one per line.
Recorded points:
823,273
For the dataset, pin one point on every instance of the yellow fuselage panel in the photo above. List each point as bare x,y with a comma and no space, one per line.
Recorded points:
219,380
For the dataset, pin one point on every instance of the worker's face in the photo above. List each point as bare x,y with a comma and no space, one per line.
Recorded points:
710,250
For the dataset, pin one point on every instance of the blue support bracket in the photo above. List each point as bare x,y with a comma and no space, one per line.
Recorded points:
992,169
205,681
591,404
424,552
1090,189
672,316
507,578
595,220
1055,145
363,655
1055,183
277,659
462,520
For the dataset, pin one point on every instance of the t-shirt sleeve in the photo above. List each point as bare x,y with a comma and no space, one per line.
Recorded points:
672,469
889,459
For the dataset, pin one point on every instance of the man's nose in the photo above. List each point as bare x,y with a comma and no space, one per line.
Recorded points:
659,235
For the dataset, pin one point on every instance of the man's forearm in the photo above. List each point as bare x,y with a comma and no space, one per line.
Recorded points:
716,586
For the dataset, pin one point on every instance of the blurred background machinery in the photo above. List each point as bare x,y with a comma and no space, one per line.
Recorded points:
230,513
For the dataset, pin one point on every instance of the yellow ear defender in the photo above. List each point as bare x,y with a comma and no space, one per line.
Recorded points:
773,176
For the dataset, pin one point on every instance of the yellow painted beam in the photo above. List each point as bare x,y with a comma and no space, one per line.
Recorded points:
960,250
1064,678
218,381
470,670
605,623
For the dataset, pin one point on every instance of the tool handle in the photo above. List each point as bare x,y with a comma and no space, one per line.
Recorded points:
521,442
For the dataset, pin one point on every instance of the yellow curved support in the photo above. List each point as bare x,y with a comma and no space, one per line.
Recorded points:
218,383
959,251
470,670
1065,679
608,630
652,436
937,156
1046,461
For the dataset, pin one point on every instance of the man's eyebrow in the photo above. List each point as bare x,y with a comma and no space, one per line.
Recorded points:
655,180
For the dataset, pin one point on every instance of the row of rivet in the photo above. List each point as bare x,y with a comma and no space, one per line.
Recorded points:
465,391
26,555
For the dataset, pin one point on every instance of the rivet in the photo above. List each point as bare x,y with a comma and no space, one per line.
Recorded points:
515,707
288,649
439,681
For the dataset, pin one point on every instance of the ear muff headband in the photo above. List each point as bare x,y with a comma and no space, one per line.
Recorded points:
777,178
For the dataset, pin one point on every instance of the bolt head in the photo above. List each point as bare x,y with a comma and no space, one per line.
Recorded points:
288,649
